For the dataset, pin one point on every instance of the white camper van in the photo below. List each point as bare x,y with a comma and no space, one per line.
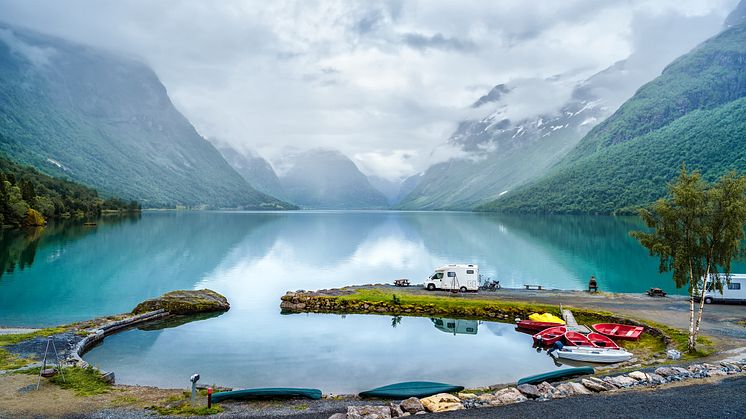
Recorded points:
733,292
454,278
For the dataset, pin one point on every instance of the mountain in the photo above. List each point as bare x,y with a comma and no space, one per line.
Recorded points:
501,154
327,179
107,121
737,16
254,169
531,124
389,188
694,112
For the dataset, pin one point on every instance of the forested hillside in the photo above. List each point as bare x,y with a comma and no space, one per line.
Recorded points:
106,121
695,112
27,197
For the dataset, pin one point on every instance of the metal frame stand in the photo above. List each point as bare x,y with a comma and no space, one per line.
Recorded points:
50,339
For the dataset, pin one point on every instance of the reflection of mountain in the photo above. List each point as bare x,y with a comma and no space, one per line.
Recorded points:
18,247
456,326
115,266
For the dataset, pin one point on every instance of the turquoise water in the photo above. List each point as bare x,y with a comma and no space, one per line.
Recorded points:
68,273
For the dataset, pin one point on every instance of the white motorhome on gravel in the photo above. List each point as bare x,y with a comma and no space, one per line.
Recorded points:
454,277
734,290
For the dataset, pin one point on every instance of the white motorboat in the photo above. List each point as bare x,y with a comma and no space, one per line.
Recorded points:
592,354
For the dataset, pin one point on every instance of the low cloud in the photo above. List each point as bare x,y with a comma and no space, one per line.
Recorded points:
376,80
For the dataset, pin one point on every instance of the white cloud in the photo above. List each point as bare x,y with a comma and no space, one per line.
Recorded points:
377,80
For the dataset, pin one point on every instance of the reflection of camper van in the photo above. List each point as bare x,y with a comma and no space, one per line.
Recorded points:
454,277
734,291
461,327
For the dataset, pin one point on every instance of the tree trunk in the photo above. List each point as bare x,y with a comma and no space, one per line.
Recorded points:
701,304
692,289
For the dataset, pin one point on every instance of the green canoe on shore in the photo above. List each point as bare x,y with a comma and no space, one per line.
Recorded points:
266,393
410,389
555,375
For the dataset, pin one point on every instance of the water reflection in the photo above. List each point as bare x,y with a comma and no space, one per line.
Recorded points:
456,326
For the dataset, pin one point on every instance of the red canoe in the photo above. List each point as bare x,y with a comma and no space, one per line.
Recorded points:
602,341
576,339
547,337
619,331
537,326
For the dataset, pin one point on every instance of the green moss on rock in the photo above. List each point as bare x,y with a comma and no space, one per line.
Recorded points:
185,302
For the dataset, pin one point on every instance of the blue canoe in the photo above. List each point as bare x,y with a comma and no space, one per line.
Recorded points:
556,375
266,393
410,389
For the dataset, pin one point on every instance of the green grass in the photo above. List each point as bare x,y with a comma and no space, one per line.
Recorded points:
82,381
9,361
187,410
12,339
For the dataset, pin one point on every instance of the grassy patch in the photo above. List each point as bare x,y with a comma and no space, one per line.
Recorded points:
9,361
83,381
302,406
680,339
187,410
12,339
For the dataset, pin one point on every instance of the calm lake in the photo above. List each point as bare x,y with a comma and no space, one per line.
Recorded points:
70,272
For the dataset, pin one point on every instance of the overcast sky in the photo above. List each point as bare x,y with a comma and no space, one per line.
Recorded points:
383,82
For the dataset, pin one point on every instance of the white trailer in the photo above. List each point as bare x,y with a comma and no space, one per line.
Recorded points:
733,291
454,277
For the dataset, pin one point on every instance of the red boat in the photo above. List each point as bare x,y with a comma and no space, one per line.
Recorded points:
537,326
547,337
619,331
576,339
602,341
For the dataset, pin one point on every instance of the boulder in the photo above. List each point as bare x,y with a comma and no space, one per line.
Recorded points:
716,373
185,302
621,381
508,396
529,390
638,375
656,379
572,389
368,412
338,416
547,391
595,384
467,396
486,398
442,402
396,410
412,405
665,371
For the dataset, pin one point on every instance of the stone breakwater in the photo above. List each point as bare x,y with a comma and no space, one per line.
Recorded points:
545,391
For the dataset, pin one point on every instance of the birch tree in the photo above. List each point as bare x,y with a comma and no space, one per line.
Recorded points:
697,231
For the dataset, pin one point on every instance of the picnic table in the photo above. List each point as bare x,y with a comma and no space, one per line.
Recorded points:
401,282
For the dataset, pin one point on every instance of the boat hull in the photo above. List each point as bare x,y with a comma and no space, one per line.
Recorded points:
595,355
555,375
267,393
576,339
535,326
619,331
602,341
548,337
410,389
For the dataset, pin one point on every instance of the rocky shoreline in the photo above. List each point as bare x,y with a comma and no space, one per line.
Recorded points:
638,379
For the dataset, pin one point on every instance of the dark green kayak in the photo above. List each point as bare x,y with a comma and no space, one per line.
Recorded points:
410,389
555,375
266,393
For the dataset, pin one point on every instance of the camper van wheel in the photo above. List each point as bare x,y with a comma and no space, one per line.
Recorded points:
430,287
708,300
462,289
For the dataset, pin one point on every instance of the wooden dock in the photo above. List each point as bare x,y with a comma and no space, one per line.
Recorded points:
572,324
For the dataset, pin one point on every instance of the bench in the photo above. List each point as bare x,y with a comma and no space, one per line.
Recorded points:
533,286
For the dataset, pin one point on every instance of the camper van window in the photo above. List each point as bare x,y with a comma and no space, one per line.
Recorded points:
470,271
438,275
451,274
734,286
